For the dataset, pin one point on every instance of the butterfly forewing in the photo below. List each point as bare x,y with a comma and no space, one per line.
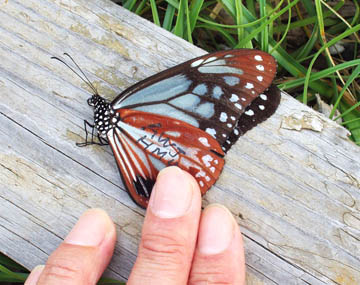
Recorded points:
144,143
210,92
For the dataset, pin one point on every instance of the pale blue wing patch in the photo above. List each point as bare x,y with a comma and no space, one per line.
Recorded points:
220,69
231,80
169,111
200,89
159,91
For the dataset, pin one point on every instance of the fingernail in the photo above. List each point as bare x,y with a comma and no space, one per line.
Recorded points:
91,229
34,275
172,194
216,230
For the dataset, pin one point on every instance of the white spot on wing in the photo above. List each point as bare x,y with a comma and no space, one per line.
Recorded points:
204,141
211,131
250,112
218,62
260,78
212,58
206,160
223,117
249,85
200,174
237,105
197,63
263,97
258,58
260,67
173,133
234,98
261,107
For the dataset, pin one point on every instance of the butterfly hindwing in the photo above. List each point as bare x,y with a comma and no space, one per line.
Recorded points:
210,92
144,143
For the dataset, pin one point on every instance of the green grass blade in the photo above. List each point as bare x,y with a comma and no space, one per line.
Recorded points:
238,20
352,77
10,274
285,33
169,17
188,25
140,7
174,3
318,75
195,9
264,34
180,22
20,277
129,4
155,12
351,116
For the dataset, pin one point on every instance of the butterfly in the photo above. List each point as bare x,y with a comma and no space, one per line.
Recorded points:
189,116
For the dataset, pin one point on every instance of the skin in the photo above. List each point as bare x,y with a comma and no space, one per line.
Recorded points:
179,244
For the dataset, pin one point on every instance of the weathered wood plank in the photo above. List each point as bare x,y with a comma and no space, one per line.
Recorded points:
294,193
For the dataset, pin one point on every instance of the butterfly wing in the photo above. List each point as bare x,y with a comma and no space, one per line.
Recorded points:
144,143
210,92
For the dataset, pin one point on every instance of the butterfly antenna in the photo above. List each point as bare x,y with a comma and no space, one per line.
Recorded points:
86,80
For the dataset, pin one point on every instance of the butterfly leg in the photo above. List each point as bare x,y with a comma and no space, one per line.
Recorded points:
102,141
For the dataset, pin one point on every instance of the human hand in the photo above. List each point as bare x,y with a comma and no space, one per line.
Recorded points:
179,244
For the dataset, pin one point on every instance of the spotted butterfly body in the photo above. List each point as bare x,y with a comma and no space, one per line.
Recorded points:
189,116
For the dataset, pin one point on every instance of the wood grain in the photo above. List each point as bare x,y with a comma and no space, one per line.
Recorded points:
295,193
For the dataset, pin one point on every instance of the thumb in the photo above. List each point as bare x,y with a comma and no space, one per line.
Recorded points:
84,254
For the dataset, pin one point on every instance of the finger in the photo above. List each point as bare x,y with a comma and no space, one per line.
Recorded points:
219,255
84,254
170,230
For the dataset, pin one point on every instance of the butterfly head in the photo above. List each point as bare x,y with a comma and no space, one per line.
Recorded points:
95,100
